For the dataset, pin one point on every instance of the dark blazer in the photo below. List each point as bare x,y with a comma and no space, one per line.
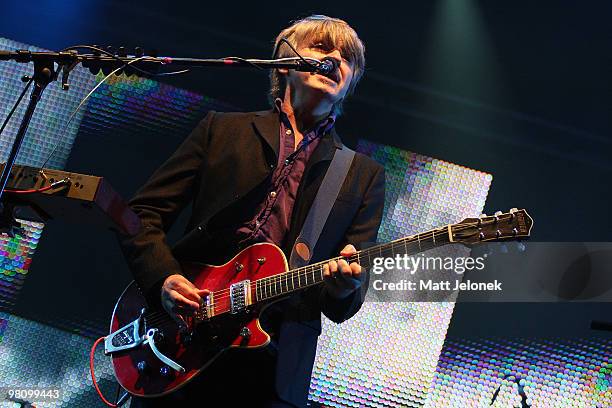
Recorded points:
217,169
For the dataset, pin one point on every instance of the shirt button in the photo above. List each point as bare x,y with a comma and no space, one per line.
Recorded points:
288,132
272,194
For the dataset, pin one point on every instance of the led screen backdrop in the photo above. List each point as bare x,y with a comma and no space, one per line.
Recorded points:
47,130
552,372
386,355
391,354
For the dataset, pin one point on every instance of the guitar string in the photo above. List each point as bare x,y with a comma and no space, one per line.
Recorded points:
441,231
272,280
382,249
310,269
224,307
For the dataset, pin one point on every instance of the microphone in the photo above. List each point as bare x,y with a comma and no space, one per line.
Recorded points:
328,65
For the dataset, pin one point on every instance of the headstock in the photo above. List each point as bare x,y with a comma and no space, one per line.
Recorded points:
515,224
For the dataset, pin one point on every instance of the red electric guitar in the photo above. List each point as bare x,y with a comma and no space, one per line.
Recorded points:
151,357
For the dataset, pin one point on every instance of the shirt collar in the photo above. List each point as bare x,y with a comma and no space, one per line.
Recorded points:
320,128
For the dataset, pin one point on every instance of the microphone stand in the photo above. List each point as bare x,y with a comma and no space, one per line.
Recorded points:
45,73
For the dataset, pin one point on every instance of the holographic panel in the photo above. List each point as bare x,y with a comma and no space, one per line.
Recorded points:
47,128
386,355
128,104
120,106
552,373
48,125
15,258
35,355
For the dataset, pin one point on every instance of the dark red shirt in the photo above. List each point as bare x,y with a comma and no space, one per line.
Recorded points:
273,216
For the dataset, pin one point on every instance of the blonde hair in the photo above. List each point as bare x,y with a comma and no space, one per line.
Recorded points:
332,32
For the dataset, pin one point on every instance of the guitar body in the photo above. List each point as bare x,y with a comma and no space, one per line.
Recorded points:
142,373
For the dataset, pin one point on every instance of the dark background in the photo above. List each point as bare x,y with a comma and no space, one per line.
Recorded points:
520,90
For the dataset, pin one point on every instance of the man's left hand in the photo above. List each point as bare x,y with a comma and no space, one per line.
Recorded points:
341,278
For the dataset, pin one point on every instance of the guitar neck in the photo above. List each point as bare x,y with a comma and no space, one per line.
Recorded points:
310,275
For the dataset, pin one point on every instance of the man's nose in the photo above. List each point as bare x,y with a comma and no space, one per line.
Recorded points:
335,54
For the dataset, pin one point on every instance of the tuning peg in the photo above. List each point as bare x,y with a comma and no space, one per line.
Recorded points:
483,215
121,52
138,52
513,210
496,215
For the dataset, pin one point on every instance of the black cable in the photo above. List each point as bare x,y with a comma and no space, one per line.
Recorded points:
6,121
110,54
284,40
117,393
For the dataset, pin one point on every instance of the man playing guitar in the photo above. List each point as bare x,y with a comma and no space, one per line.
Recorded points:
252,177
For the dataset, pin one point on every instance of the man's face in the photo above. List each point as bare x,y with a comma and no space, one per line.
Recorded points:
330,88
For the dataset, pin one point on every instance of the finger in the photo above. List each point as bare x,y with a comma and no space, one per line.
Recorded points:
189,291
356,269
333,267
348,250
326,273
344,267
181,301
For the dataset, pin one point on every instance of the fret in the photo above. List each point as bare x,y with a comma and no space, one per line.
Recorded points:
419,241
292,281
433,237
322,276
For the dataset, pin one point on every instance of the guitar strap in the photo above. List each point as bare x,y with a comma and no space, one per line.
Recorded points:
321,207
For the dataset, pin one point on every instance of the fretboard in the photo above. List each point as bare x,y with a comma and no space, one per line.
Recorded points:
310,275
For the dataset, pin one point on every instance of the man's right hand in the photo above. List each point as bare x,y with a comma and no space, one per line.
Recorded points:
180,298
